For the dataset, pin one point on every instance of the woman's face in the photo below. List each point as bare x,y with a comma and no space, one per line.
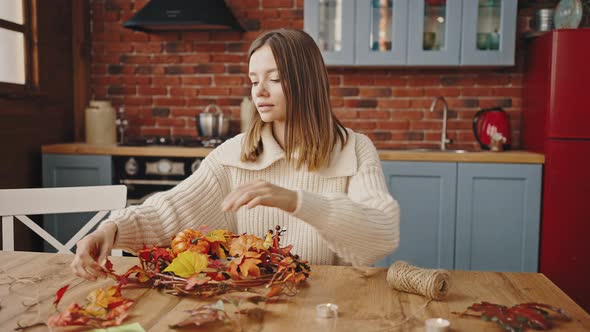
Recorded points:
267,92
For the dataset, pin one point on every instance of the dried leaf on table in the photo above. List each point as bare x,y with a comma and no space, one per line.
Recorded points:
237,297
59,294
204,315
518,317
104,308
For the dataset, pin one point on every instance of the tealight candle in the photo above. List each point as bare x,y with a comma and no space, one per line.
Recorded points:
437,325
327,310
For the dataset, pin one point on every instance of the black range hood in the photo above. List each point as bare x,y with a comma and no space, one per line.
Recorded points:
171,15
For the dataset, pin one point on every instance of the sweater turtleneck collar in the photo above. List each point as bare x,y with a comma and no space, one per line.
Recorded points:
342,163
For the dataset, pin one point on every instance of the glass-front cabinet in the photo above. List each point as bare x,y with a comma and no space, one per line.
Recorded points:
489,29
381,36
331,23
434,32
413,32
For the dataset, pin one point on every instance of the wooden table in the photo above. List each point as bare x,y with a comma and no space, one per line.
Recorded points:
366,302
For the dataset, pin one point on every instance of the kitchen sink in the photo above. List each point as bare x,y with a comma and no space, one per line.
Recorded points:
436,150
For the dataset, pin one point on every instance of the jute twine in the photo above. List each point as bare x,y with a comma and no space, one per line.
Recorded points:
433,284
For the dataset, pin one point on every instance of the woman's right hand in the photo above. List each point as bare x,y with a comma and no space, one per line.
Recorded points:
92,252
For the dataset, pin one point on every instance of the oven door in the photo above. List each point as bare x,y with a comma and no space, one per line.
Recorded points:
138,190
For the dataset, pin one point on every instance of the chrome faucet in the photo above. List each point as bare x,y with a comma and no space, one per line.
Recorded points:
443,136
122,124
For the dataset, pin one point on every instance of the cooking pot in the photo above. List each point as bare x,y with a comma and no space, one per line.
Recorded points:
213,125
488,122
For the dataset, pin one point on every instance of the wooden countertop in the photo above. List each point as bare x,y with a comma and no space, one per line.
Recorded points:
517,157
365,301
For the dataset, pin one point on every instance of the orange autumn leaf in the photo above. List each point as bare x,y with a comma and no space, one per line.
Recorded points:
100,300
244,243
232,268
196,280
249,267
140,274
274,291
218,250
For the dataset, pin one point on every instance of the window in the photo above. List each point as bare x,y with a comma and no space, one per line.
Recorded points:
18,48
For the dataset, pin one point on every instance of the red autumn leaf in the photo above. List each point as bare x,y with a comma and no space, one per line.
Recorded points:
215,264
59,294
108,265
217,276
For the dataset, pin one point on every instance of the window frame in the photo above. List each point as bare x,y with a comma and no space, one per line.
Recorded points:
29,30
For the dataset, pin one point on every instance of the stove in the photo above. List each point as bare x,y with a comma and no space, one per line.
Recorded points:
145,176
172,141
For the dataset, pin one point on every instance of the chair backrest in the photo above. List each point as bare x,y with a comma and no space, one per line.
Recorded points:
18,203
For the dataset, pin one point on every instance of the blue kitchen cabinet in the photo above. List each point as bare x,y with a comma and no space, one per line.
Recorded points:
72,171
489,32
467,216
426,193
498,217
331,23
413,33
434,33
381,32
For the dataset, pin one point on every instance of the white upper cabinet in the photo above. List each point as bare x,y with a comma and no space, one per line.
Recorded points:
413,32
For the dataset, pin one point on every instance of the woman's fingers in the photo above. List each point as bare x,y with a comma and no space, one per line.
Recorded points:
91,250
256,201
229,203
247,197
85,267
260,193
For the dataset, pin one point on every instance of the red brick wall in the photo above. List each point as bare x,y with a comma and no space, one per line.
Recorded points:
163,80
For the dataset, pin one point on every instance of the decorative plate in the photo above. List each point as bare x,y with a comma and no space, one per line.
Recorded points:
568,14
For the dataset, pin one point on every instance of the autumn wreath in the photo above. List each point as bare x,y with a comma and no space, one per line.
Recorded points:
200,263
206,263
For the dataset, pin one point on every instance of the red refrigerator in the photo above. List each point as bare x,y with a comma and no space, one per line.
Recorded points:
556,122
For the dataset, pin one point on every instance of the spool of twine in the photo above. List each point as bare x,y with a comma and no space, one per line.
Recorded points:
431,283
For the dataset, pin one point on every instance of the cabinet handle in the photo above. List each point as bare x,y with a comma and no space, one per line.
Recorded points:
154,182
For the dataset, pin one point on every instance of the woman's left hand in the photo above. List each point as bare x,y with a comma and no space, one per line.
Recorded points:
263,193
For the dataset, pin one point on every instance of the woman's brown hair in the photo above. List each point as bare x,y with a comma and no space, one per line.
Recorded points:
311,128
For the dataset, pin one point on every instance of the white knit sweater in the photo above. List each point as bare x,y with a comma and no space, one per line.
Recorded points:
344,211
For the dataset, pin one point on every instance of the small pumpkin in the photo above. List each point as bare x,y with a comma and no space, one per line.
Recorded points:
183,240
201,247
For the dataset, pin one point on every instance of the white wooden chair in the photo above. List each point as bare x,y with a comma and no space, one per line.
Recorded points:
18,203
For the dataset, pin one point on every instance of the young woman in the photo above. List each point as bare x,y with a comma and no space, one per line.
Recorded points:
296,166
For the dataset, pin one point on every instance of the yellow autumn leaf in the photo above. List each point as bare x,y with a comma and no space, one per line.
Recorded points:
188,263
216,235
103,298
267,240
